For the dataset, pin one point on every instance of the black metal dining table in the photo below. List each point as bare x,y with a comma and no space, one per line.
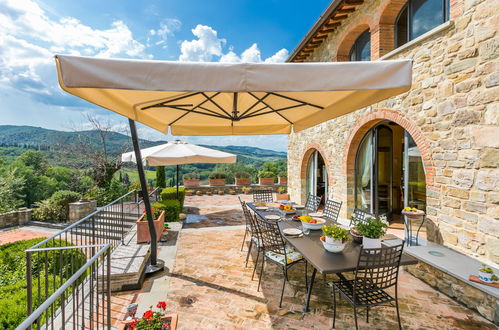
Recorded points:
312,250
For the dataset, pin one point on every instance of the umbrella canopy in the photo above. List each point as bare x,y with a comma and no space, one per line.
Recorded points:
178,153
226,99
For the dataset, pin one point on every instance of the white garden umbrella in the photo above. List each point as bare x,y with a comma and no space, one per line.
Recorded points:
178,153
228,98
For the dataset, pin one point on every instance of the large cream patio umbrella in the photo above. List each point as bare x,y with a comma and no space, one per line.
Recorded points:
179,153
227,98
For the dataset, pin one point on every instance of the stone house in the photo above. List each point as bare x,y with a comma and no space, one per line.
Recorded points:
435,147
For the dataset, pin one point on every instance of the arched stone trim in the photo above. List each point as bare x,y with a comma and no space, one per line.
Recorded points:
347,39
308,151
360,129
383,34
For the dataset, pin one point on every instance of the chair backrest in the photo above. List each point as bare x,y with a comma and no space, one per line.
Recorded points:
313,202
360,216
270,235
263,195
332,210
377,268
248,217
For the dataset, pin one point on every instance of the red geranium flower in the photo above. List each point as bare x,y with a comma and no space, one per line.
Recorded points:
161,304
148,314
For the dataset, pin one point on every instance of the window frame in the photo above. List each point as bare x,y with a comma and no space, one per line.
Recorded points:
409,7
354,48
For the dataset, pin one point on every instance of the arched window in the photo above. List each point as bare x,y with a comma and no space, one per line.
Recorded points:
361,49
418,17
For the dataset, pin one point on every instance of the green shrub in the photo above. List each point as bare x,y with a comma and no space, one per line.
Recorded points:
13,276
283,174
171,207
105,195
56,208
171,193
371,227
242,175
217,175
265,174
160,177
191,176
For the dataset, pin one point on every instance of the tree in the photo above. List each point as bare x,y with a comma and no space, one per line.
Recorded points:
160,177
34,159
10,191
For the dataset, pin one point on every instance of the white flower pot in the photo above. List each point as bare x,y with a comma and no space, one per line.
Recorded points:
330,240
371,243
486,277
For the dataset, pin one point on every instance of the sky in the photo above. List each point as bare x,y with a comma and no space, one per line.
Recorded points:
32,32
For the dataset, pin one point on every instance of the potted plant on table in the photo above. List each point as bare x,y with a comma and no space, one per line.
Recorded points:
334,238
191,180
246,190
372,230
265,177
143,233
242,178
281,194
152,320
217,179
283,177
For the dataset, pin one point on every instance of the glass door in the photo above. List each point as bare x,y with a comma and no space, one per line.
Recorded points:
364,173
312,175
414,175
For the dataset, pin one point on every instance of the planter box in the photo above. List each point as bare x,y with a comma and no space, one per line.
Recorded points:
172,317
266,180
191,183
283,180
143,235
217,182
243,182
282,197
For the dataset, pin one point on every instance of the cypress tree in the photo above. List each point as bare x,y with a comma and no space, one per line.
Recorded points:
160,176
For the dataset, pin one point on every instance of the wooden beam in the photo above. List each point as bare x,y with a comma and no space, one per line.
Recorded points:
346,10
317,38
327,30
354,2
338,17
332,25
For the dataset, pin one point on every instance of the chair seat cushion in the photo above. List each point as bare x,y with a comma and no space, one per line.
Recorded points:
366,294
291,255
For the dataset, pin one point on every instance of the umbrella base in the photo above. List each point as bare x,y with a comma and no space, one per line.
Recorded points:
152,269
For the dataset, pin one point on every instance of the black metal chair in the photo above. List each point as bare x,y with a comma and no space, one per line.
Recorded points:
248,225
255,239
276,251
377,270
360,216
263,195
313,203
332,210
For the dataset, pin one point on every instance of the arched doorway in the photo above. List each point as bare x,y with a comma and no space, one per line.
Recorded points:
389,173
317,178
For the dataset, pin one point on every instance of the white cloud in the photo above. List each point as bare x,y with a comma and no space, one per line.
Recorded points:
207,45
204,47
167,28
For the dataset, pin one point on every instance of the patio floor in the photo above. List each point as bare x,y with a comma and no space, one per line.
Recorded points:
211,289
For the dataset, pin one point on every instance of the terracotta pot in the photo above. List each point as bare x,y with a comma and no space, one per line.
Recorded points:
282,197
173,322
191,183
246,192
416,214
283,180
243,182
188,193
217,182
143,235
266,180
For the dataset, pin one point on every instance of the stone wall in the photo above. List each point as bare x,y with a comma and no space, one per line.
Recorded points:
79,210
451,111
16,218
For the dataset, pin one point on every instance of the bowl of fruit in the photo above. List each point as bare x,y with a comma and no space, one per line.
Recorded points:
412,212
311,223
287,208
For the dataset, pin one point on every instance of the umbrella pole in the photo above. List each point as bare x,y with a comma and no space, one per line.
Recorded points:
145,196
177,182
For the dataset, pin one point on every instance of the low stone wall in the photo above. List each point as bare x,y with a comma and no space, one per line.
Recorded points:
15,218
231,187
78,210
483,303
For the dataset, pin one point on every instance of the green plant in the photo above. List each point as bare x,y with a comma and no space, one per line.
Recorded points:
160,177
171,207
155,210
191,176
217,175
171,193
283,174
281,190
246,189
105,195
335,232
486,269
371,227
242,175
265,174
10,191
56,208
151,320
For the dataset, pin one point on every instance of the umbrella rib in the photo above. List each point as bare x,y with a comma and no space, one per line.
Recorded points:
189,110
157,105
277,111
296,100
255,104
215,103
254,114
256,111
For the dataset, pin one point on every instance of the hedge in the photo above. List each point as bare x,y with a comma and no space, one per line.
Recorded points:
217,175
266,174
171,207
171,193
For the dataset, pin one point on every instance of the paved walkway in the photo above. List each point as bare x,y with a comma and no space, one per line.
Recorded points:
15,234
